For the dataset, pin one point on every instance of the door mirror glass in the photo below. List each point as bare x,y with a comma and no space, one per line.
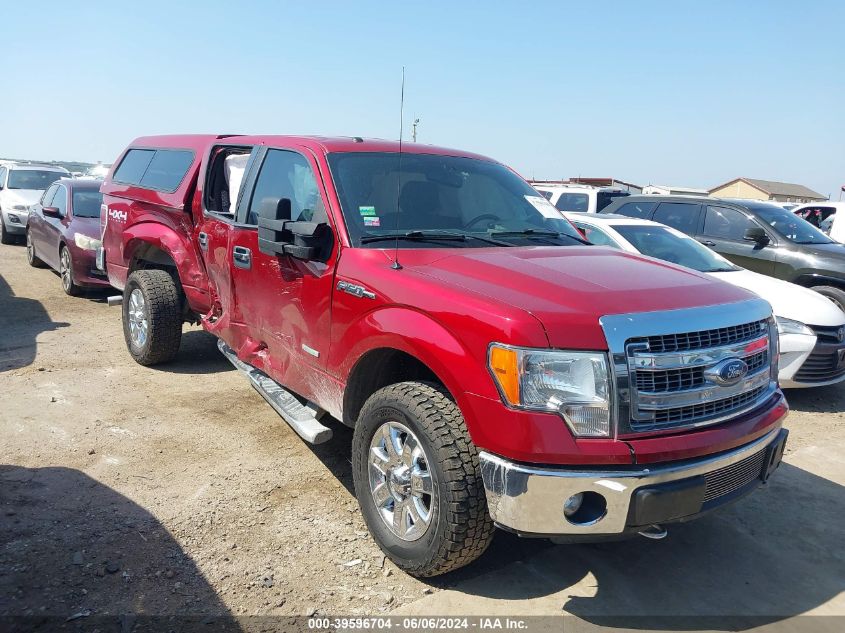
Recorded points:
756,234
51,212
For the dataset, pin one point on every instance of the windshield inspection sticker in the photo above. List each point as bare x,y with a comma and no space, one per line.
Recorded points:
367,211
372,220
546,208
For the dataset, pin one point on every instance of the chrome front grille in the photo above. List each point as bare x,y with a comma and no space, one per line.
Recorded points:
724,481
686,378
676,369
684,388
683,415
703,339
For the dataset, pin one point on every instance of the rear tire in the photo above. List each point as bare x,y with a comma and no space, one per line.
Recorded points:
438,531
31,258
66,273
836,295
152,316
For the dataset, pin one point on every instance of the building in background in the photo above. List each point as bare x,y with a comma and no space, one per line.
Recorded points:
754,189
605,182
667,190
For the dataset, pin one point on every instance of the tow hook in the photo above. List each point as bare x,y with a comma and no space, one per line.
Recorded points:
654,532
114,300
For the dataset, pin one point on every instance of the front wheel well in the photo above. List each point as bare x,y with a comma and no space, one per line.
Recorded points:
379,368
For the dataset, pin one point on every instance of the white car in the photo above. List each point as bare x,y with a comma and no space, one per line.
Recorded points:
803,315
578,198
824,215
21,185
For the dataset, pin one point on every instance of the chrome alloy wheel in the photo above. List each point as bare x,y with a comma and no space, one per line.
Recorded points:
65,270
138,319
400,481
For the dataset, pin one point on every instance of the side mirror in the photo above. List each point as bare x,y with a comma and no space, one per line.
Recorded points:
756,234
279,235
51,212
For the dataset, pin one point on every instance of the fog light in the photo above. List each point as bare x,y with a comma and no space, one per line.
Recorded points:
572,505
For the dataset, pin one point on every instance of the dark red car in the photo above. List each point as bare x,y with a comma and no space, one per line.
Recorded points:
63,232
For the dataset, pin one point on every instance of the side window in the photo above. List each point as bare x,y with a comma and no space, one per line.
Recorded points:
2,176
637,209
47,198
287,174
162,169
133,166
595,236
60,200
726,224
546,194
678,215
167,169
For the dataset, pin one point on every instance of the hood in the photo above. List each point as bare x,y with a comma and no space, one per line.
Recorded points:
788,300
22,196
569,288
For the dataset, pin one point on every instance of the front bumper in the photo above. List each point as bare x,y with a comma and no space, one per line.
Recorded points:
824,364
529,500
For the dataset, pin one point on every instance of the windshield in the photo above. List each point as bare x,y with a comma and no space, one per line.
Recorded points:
673,246
86,204
790,225
38,179
435,195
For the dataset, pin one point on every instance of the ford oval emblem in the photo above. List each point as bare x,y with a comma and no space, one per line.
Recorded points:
727,372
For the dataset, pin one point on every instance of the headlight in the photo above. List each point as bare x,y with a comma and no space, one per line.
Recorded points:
20,207
788,326
86,243
573,384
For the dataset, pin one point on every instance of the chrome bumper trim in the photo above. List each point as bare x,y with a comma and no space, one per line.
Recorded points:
529,499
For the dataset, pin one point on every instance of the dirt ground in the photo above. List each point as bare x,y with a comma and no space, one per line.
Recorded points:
177,490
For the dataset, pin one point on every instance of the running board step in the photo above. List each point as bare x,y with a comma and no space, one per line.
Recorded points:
302,418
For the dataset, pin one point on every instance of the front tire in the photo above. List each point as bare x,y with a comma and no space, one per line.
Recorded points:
418,480
66,273
836,295
152,316
5,236
31,258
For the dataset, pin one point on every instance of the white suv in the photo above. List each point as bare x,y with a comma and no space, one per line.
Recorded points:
578,198
22,185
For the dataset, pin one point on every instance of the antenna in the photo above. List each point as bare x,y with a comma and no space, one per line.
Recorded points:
396,265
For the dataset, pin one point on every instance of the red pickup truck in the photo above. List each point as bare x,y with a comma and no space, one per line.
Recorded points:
496,369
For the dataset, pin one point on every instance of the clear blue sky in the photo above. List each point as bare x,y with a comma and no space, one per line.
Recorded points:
683,93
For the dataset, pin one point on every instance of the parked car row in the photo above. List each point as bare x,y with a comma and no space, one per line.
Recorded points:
810,355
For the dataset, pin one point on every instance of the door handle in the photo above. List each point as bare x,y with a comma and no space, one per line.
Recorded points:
202,238
242,257
707,242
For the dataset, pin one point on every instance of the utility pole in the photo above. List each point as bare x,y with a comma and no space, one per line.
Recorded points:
414,130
